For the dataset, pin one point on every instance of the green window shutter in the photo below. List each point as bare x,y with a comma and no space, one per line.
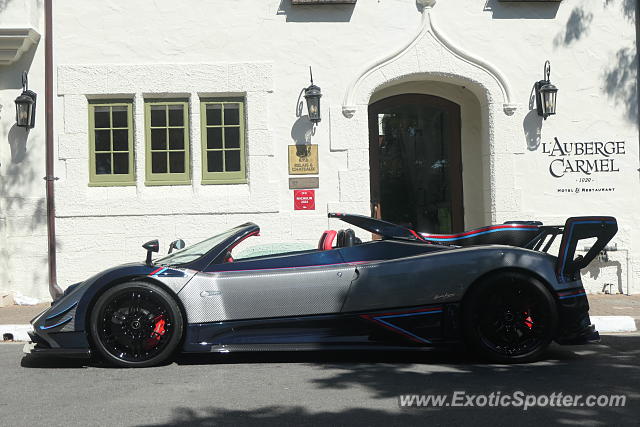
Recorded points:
222,123
167,143
111,159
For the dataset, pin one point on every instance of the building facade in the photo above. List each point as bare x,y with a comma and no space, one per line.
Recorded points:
175,120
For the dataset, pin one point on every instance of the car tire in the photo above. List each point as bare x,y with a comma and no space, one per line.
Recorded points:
136,324
509,317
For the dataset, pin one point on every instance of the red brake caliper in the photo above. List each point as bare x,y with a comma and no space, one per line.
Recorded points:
528,321
158,332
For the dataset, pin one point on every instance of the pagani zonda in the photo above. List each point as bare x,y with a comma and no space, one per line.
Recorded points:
495,288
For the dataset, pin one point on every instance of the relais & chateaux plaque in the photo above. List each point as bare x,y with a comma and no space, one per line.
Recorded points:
303,159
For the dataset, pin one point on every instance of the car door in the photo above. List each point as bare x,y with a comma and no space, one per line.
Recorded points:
314,282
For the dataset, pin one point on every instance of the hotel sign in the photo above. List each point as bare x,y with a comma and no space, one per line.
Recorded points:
584,158
579,165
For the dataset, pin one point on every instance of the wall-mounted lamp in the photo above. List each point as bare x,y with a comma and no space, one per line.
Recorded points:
26,105
312,95
546,94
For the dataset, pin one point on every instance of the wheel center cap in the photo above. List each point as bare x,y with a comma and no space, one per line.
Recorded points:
508,317
135,324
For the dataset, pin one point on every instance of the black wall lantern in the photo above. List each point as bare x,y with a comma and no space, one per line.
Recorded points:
546,94
312,95
26,105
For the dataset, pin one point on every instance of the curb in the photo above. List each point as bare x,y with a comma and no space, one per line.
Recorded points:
19,332
606,324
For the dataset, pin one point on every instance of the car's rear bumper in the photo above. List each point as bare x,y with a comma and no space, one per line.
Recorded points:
587,335
575,324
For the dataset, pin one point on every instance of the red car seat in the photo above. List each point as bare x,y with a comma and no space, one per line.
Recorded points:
326,240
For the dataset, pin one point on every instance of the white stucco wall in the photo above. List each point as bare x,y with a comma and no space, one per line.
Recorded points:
262,50
23,234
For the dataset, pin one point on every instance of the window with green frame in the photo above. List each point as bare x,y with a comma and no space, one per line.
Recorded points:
167,142
111,143
223,141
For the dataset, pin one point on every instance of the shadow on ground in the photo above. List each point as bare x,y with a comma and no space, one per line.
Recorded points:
612,367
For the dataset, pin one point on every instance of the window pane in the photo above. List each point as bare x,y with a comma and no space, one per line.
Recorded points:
159,162
214,114
176,162
231,137
214,161
176,115
121,140
176,139
103,140
232,160
158,139
158,115
119,116
103,164
231,114
101,117
120,163
214,138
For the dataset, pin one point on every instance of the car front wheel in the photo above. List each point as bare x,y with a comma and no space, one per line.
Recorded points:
510,317
136,324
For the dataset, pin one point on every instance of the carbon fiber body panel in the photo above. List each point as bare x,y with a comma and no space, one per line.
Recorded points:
212,297
409,328
439,277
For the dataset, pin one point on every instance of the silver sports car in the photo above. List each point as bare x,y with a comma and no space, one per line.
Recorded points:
495,288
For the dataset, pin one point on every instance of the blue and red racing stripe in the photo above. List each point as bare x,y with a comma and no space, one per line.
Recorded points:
383,320
478,232
572,293
157,271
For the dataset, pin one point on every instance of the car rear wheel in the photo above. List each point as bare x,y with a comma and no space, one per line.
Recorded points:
510,317
136,324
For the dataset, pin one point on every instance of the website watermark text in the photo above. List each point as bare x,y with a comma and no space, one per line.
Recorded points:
517,399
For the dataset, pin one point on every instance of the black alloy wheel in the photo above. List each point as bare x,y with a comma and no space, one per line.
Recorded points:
510,317
136,324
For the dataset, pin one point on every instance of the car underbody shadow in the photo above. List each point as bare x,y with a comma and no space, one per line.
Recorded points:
433,356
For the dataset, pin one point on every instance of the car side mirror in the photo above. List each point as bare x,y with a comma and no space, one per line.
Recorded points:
151,246
177,245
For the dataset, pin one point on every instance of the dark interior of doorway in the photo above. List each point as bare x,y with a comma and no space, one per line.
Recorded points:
415,162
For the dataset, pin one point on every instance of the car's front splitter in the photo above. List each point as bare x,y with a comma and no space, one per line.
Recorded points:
68,344
36,350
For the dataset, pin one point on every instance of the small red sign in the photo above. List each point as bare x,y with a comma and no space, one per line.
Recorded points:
304,200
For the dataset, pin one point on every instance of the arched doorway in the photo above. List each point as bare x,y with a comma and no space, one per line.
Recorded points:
416,163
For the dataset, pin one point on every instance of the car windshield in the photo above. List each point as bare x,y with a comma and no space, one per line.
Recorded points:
195,251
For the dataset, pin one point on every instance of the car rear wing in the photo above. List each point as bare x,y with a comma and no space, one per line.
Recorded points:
602,228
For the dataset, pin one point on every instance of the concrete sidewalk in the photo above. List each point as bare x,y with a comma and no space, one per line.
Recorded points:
610,313
614,305
615,313
20,314
14,320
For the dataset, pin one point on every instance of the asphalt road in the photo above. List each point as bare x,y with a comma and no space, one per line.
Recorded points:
315,388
